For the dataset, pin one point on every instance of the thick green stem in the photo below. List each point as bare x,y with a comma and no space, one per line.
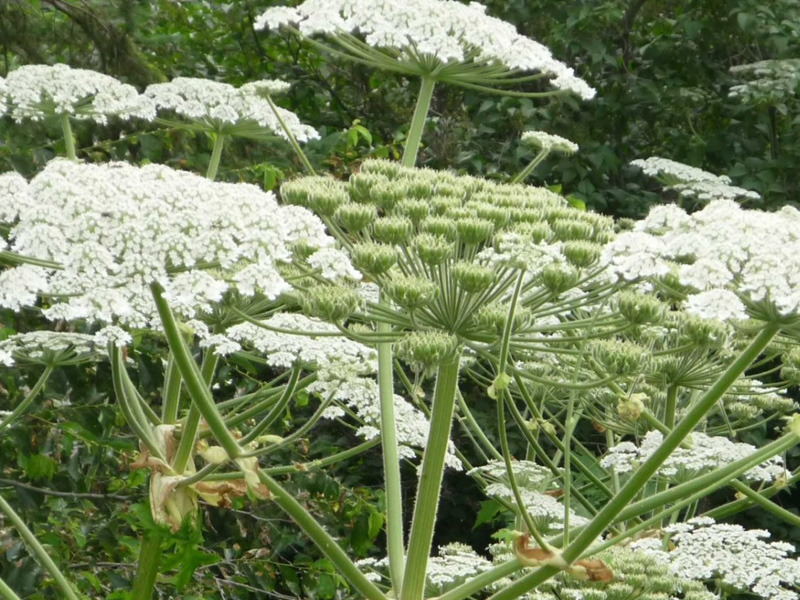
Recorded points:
395,544
321,538
147,566
418,121
216,154
522,175
276,411
193,378
192,423
292,140
69,140
6,593
29,398
38,550
643,474
735,506
171,396
430,482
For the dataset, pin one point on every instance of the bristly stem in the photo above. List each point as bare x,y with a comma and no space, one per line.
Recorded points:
38,550
147,566
418,121
391,460
523,175
216,154
430,481
292,140
69,140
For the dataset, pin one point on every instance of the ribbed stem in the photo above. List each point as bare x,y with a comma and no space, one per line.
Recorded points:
216,154
69,140
172,392
147,566
418,121
430,482
395,545
38,550
523,175
192,423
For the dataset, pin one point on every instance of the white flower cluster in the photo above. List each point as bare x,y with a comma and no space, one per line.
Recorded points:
691,182
706,453
726,253
445,29
220,105
735,557
37,91
771,81
51,347
114,229
549,142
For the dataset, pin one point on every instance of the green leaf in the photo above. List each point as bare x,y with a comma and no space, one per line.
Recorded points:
40,466
487,513
576,202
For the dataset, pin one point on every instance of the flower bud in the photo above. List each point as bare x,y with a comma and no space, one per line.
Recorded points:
410,292
439,226
493,318
572,229
423,350
433,250
393,230
618,357
557,279
639,309
416,210
473,278
355,217
632,408
323,195
373,259
474,231
704,333
332,303
538,232
581,253
496,214
386,168
790,371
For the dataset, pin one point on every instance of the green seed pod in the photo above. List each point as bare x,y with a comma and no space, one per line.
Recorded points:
790,372
473,278
557,279
602,236
572,229
373,259
742,410
355,217
496,214
433,250
416,210
460,213
639,309
441,204
361,186
385,168
410,293
376,190
424,350
704,333
418,188
301,250
632,408
323,195
624,224
331,303
493,317
453,189
393,230
581,253
619,358
474,231
439,226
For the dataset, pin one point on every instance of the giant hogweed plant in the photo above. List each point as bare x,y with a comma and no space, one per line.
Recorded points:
656,336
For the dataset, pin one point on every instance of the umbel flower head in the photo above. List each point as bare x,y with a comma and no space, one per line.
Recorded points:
549,142
445,39
729,258
55,348
770,81
691,182
222,108
39,91
105,233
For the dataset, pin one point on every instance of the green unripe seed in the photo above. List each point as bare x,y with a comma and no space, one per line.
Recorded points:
373,259
538,232
639,309
474,231
411,293
355,217
557,279
473,278
439,226
393,230
581,253
619,358
426,349
433,250
331,303
416,210
572,229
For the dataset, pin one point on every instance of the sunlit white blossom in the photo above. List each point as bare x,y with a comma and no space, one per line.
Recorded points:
38,91
751,254
706,453
730,555
770,81
220,105
446,30
333,264
115,229
51,347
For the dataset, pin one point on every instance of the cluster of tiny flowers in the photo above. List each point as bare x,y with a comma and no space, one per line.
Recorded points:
51,347
455,564
730,555
220,105
691,182
771,81
38,91
727,255
445,29
706,453
115,229
549,142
